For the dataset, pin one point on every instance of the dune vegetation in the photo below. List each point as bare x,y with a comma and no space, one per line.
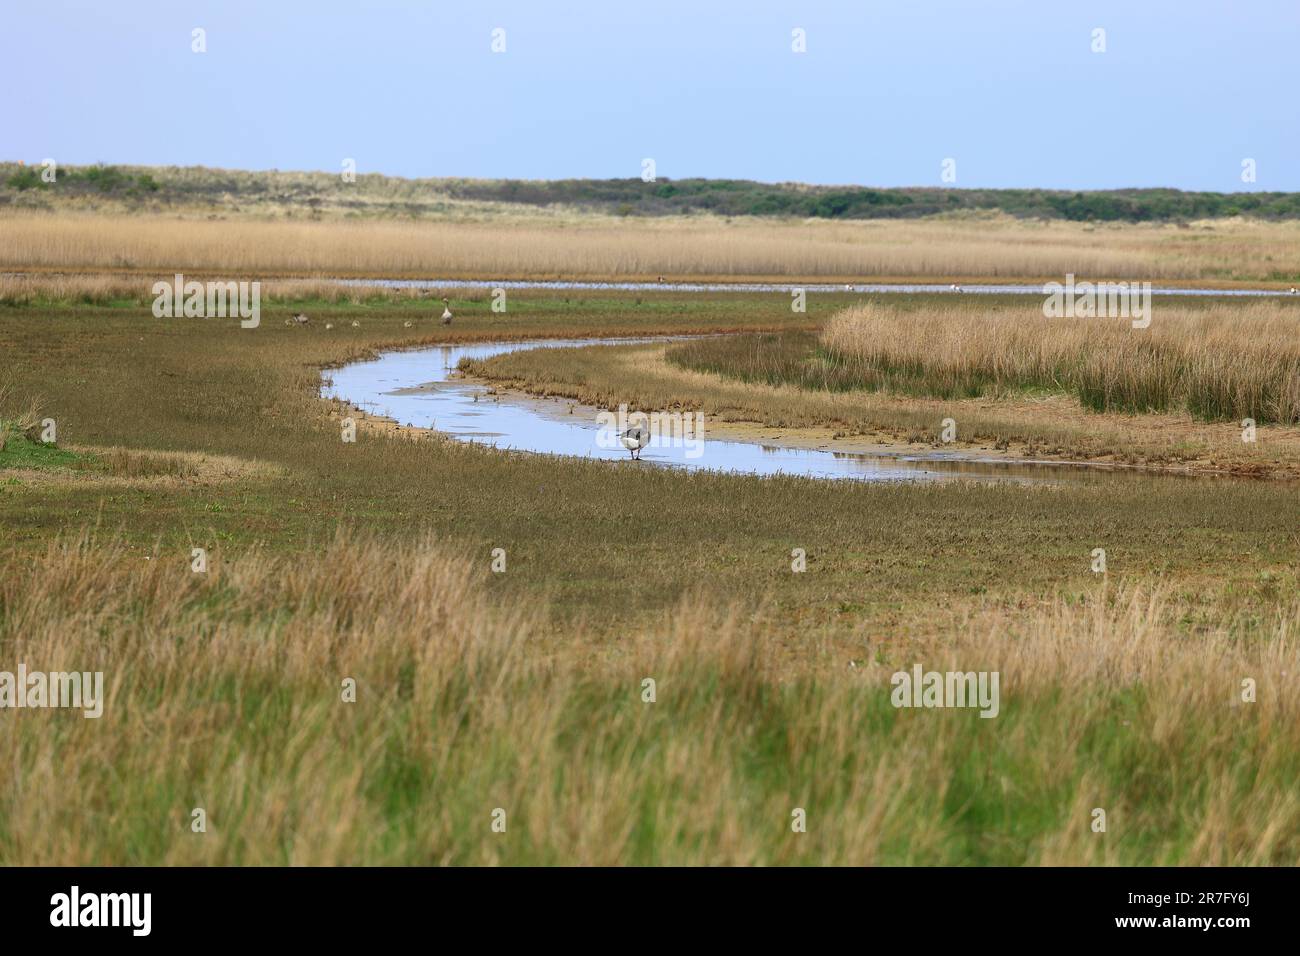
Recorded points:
154,188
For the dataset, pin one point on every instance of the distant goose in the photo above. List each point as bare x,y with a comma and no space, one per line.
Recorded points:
356,324
1294,290
634,439
299,319
328,326
661,279
955,287
406,325
446,312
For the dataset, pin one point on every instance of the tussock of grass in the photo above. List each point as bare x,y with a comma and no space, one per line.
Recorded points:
122,463
20,415
20,427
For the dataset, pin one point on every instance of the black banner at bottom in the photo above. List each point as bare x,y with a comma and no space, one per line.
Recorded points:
336,906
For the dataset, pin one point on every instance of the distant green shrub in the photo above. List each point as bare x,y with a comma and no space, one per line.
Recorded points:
105,178
26,178
735,197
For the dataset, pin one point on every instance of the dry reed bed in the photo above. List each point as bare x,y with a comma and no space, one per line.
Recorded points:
684,247
224,693
1221,363
105,289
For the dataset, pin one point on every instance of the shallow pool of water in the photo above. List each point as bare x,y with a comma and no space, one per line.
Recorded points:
422,388
860,287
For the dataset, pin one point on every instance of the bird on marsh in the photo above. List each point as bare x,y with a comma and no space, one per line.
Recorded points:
634,439
446,312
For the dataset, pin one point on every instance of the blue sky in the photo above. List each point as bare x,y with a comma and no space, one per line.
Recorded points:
886,91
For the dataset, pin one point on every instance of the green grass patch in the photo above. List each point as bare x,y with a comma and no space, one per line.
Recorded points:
19,451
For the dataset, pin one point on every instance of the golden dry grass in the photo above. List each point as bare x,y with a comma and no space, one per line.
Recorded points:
605,247
1224,362
105,288
224,691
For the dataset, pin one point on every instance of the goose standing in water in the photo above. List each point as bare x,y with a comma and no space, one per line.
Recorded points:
446,312
634,439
